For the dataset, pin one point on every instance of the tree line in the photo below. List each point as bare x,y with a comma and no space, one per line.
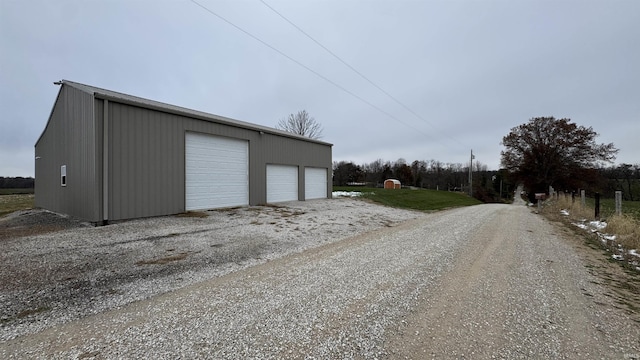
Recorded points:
541,153
623,177
16,182
487,184
431,174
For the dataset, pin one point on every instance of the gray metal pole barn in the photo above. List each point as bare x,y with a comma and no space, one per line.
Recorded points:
106,156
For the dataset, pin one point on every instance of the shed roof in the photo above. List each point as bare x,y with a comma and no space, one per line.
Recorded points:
156,105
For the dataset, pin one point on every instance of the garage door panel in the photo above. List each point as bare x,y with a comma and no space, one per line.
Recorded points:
217,172
315,183
282,183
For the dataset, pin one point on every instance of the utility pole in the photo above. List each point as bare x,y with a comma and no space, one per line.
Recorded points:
471,174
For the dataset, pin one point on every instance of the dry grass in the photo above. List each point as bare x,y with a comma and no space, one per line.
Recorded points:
626,228
28,312
575,209
164,260
11,203
194,214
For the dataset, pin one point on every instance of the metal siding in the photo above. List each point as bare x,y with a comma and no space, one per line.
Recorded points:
147,159
98,106
257,169
184,112
69,139
145,173
283,150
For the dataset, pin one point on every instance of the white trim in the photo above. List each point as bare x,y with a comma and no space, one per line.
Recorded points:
63,175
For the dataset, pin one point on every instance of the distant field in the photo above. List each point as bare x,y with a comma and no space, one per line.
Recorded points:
15,202
608,207
421,199
16,191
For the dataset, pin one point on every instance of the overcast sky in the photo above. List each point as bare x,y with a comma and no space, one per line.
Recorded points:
461,74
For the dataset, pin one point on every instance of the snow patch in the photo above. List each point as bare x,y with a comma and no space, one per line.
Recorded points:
346,194
608,240
598,225
581,226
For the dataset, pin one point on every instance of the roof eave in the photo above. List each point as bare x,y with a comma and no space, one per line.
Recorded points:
177,110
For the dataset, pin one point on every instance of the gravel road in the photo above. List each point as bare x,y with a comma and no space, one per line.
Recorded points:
488,281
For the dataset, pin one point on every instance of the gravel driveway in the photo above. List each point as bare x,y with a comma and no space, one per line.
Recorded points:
489,281
73,269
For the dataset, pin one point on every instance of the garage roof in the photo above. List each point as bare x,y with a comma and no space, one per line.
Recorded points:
156,105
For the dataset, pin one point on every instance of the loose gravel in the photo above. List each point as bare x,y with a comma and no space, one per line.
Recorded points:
486,281
73,269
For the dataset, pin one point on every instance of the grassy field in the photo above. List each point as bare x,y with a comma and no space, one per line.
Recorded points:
608,207
15,202
422,199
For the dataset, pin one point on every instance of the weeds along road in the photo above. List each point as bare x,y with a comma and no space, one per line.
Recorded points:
489,281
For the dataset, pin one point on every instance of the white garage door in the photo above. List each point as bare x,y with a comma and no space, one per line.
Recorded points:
315,183
282,183
217,172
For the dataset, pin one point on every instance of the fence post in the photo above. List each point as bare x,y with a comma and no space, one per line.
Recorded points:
582,198
618,202
597,206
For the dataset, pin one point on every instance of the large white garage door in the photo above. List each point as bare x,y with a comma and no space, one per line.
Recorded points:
282,183
217,172
315,183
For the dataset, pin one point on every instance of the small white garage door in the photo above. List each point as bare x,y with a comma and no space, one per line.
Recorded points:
282,183
315,183
217,172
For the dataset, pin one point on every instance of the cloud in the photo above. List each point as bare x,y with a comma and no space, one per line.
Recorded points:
470,70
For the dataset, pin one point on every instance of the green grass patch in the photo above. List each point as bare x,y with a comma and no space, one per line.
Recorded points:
421,199
11,203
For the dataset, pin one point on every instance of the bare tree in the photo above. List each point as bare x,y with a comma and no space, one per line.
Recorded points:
301,124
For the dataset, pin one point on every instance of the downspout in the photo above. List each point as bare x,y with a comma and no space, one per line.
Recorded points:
105,163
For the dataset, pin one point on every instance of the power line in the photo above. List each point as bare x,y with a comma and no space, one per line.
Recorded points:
309,69
353,69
